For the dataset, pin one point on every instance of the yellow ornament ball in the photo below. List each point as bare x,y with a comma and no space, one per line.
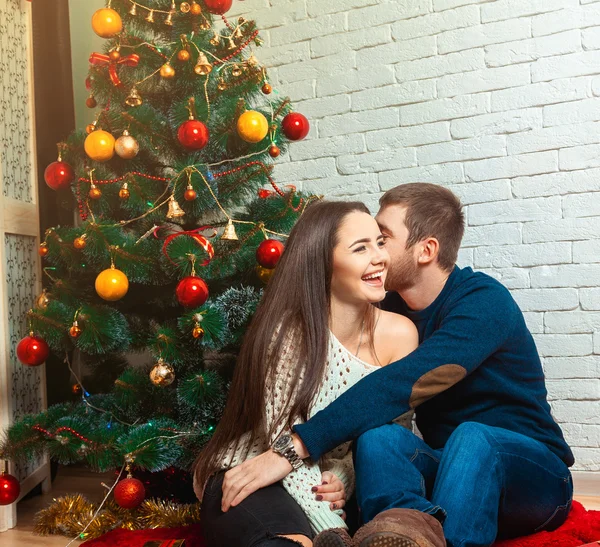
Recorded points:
252,126
107,23
264,274
100,145
112,284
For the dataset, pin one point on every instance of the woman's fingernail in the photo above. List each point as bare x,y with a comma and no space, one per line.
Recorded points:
334,506
319,498
325,482
315,488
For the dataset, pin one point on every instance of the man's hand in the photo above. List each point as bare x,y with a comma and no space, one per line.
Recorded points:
250,476
331,490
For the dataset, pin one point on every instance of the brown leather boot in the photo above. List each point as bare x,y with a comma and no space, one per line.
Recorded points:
401,528
336,537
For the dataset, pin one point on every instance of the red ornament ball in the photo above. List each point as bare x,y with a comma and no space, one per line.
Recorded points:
193,134
32,351
190,194
58,175
219,7
129,493
9,489
192,291
295,126
269,252
91,102
274,151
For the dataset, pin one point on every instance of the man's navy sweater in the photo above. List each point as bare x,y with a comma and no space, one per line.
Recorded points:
476,362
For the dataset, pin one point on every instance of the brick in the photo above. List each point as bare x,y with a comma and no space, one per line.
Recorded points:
310,169
565,19
324,106
570,229
500,123
356,40
590,38
433,67
355,80
483,35
321,148
515,210
438,174
597,342
512,166
557,91
574,390
554,138
587,458
482,192
534,322
546,299
582,435
587,252
390,13
354,122
582,205
304,30
397,52
285,54
317,68
269,18
408,136
579,157
508,234
572,367
465,258
573,112
488,79
566,66
535,254
509,9
444,109
301,91
551,184
383,160
596,87
441,5
466,149
434,23
563,345
394,95
343,186
565,275
590,300
532,49
572,322
318,7
511,278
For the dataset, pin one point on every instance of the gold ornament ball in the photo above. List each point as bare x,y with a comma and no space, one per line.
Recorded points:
43,249
198,332
274,151
79,243
76,389
112,284
89,128
184,7
167,71
195,8
95,193
264,274
183,55
252,126
107,23
124,193
126,146
42,301
114,55
162,374
190,194
267,89
75,331
100,145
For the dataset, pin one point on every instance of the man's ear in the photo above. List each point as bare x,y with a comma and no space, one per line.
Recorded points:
428,250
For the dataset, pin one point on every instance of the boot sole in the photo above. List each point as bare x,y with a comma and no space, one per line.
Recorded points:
387,539
330,539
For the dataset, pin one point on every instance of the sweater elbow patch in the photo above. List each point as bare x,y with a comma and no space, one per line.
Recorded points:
435,381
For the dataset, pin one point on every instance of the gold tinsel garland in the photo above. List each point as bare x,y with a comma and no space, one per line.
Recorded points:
69,515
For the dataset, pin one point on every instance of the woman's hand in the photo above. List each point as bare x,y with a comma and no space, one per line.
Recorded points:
332,490
250,476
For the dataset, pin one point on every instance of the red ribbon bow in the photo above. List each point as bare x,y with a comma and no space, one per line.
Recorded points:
195,235
99,59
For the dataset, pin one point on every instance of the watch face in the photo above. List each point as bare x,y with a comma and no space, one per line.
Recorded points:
282,442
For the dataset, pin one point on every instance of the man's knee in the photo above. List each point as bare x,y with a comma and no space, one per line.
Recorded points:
385,439
471,437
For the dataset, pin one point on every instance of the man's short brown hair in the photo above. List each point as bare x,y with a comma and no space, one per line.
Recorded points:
431,211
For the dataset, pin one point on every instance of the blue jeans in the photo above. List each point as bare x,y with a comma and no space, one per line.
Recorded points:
485,482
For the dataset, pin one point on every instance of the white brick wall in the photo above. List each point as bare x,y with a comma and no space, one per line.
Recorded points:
500,101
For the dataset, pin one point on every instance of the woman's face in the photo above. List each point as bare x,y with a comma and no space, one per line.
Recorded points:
360,261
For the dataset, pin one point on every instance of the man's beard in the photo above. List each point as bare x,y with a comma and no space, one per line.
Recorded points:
402,274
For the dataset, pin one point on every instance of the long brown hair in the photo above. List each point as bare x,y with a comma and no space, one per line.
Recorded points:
296,302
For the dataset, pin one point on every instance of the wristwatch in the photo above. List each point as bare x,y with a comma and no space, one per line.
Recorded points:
285,447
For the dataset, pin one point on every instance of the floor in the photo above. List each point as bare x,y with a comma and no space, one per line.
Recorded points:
70,480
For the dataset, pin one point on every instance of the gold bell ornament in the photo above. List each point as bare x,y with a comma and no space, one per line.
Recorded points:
202,67
133,99
175,210
229,233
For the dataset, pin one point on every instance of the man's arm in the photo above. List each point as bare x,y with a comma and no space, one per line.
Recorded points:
477,325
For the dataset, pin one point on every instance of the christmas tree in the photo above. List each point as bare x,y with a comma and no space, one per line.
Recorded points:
180,224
